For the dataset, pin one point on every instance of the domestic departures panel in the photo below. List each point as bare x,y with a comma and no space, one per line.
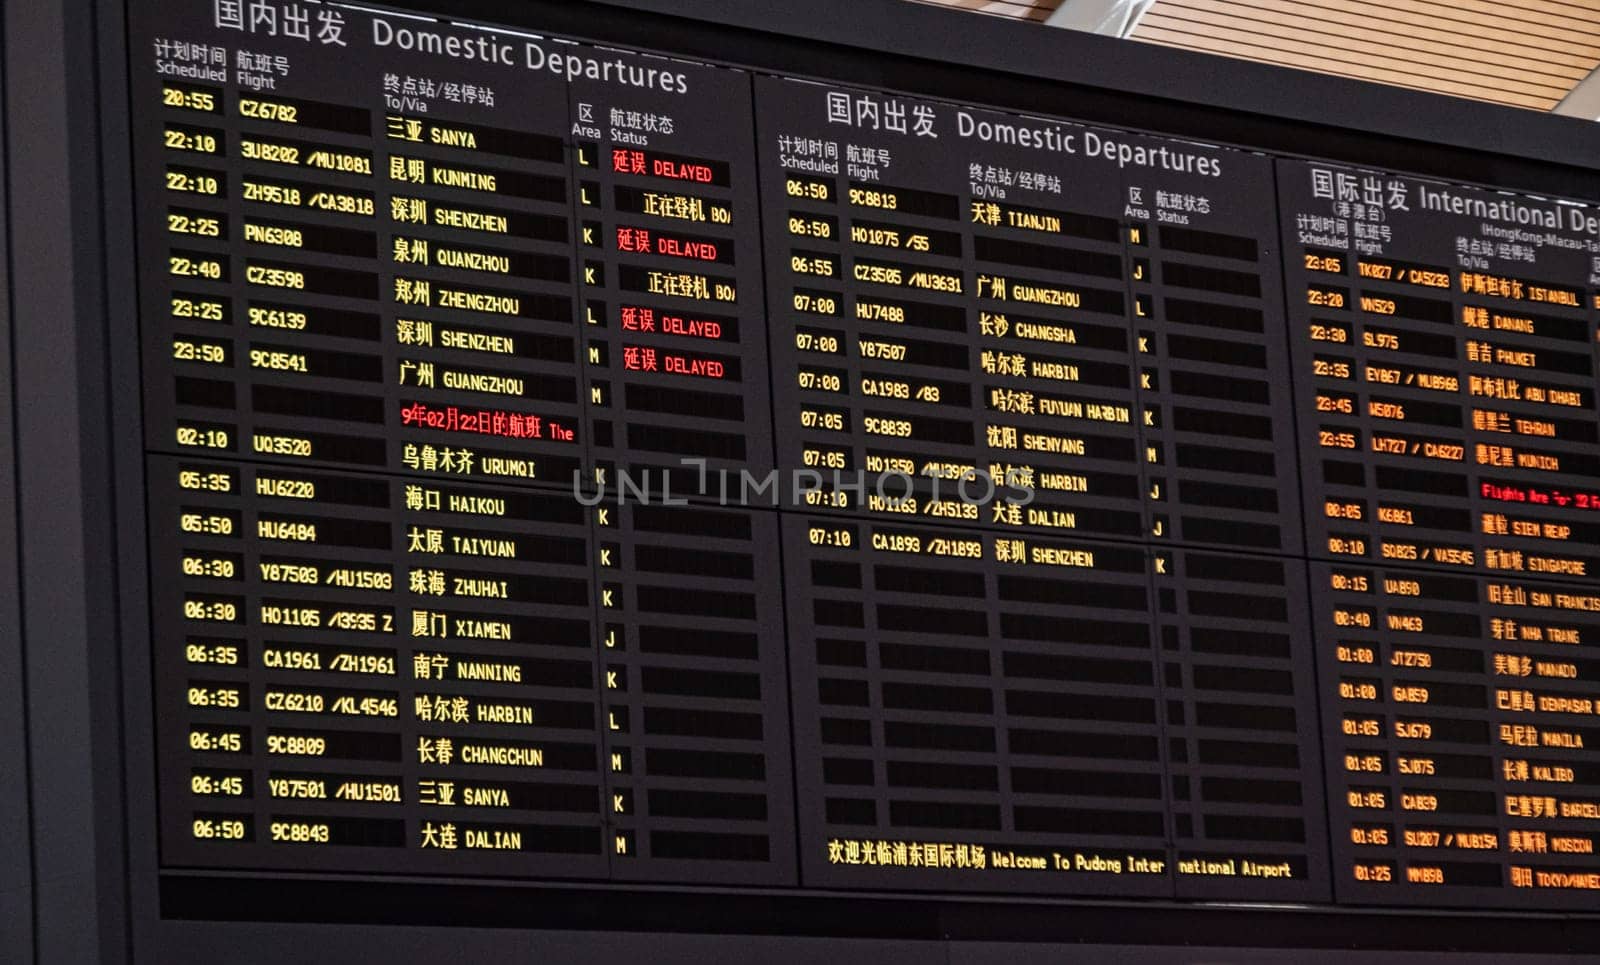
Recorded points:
1083,313
485,292
1176,521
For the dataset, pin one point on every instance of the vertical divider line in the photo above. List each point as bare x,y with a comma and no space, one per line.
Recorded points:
777,467
1297,444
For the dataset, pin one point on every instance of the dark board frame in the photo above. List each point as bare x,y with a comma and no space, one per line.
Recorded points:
16,871
65,491
92,891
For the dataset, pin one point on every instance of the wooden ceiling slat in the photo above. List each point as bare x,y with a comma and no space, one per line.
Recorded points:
1426,63
1210,44
1465,17
1556,15
1332,18
1549,21
1332,60
1528,103
1525,53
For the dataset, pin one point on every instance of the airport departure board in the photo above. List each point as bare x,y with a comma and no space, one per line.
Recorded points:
576,464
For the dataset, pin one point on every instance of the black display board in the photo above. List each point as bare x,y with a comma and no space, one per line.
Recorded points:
572,463
619,471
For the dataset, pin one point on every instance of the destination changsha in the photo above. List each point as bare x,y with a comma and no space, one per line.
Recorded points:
1509,210
1086,143
488,49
